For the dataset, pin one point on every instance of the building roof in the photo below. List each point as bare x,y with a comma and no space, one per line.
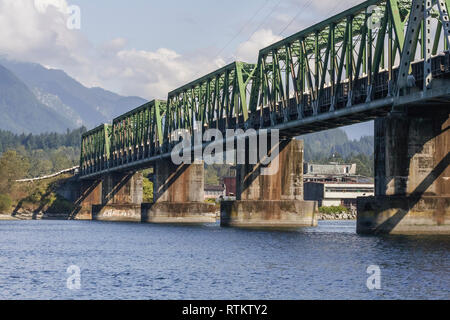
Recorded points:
343,183
209,187
331,168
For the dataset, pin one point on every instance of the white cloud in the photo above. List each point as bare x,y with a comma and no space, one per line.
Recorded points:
42,5
158,72
36,31
248,51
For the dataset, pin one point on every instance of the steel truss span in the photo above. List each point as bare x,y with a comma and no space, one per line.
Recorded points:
350,68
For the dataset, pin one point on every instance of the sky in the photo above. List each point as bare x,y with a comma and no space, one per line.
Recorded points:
148,48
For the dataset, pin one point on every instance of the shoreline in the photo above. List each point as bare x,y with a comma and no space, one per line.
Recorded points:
39,216
5,217
336,216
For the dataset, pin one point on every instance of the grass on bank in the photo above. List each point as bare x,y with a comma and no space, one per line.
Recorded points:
334,210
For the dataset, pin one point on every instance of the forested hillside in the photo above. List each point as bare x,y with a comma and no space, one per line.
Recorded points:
44,153
322,145
335,146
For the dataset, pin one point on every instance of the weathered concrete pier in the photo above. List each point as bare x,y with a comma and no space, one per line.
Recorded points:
85,194
121,198
412,183
271,200
178,195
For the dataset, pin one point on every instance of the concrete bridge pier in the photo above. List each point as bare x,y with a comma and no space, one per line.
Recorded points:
272,201
87,193
412,175
121,198
178,193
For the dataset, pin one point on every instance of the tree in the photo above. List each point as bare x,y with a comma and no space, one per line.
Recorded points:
60,160
5,203
12,167
147,190
41,167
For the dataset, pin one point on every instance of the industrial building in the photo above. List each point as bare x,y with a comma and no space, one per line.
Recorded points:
214,192
337,194
330,184
327,169
332,172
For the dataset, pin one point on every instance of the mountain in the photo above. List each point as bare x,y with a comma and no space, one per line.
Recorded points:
21,111
70,99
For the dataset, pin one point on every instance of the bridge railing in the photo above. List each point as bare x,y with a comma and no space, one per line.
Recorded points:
95,149
217,100
132,136
138,134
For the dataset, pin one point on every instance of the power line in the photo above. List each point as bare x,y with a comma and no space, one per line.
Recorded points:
239,32
243,28
305,6
265,20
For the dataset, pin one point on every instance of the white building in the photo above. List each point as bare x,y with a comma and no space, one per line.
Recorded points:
214,192
329,169
337,194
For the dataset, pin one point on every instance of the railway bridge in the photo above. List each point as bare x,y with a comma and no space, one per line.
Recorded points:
382,60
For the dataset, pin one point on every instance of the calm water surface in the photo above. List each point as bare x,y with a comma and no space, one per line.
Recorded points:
144,261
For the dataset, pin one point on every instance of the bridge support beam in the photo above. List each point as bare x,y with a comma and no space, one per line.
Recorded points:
121,198
272,201
412,176
178,195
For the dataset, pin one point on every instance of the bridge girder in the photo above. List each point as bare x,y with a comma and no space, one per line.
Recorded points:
217,100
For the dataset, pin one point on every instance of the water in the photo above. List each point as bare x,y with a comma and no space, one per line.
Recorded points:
144,261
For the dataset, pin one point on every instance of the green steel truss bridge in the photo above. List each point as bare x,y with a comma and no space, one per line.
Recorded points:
353,67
